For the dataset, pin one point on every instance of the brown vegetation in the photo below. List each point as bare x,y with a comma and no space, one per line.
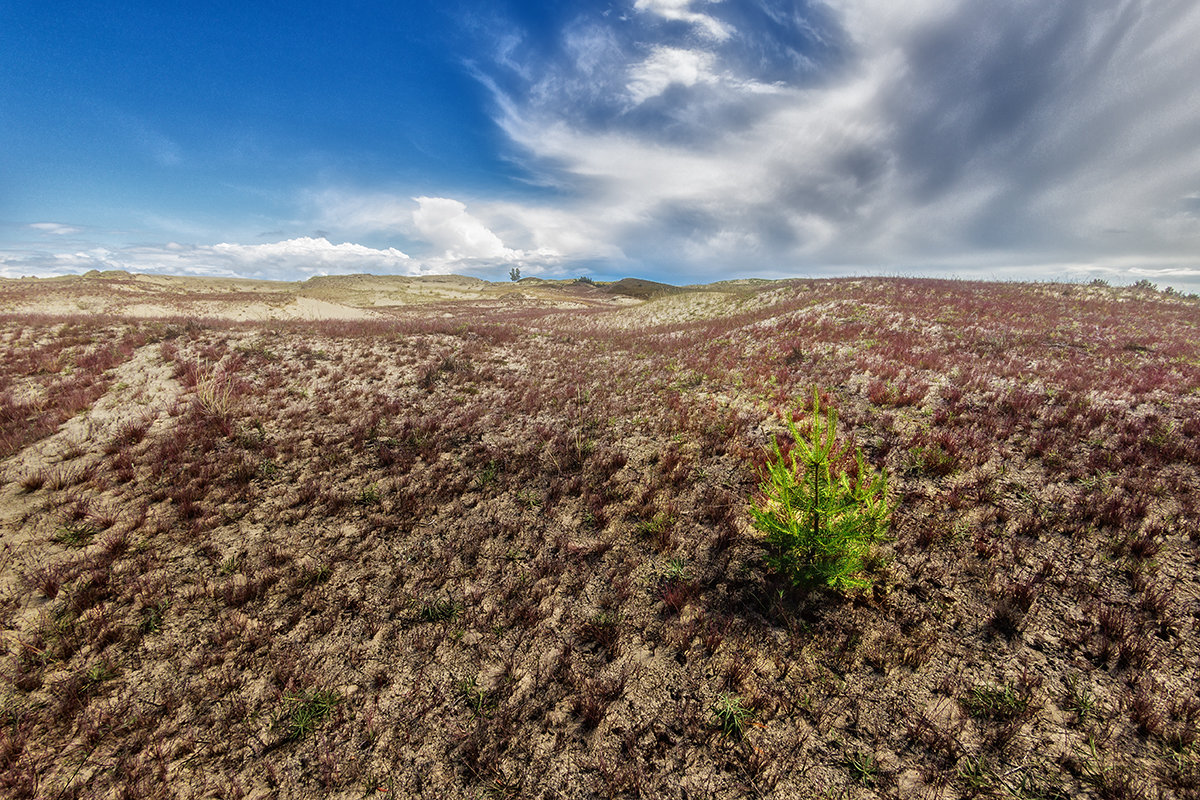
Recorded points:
501,547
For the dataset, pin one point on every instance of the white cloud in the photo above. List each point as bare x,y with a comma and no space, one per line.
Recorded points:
446,225
681,11
307,255
487,239
666,67
360,211
553,237
951,131
284,260
548,241
55,228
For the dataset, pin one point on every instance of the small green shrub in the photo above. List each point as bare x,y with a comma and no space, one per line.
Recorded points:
152,617
487,474
438,610
100,672
863,767
934,459
75,534
676,570
304,710
1080,698
368,496
994,702
820,518
481,701
316,574
730,715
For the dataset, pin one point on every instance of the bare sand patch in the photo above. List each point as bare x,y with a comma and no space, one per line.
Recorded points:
343,297
141,393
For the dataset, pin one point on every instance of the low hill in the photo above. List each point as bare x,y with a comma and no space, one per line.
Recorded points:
640,288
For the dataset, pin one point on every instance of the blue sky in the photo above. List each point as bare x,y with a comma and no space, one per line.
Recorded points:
680,140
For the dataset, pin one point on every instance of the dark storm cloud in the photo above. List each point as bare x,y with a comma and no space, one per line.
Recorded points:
1016,96
869,132
589,77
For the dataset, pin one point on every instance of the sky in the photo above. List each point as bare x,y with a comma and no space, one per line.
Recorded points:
686,141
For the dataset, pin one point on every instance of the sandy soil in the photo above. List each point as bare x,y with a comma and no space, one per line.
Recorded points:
348,297
439,537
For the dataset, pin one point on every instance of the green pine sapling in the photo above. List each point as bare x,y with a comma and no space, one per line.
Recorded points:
820,519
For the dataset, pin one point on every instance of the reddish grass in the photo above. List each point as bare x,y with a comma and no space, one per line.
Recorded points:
459,519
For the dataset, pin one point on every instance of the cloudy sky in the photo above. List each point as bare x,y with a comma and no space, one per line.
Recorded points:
680,140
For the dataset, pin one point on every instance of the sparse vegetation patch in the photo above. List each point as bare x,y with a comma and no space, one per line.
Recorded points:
555,539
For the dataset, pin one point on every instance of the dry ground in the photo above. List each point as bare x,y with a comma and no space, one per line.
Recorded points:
443,538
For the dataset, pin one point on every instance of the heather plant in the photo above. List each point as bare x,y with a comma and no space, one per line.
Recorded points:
820,518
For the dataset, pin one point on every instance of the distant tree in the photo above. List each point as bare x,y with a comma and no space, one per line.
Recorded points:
514,274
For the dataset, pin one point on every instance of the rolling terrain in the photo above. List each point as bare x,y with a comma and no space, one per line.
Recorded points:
439,537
